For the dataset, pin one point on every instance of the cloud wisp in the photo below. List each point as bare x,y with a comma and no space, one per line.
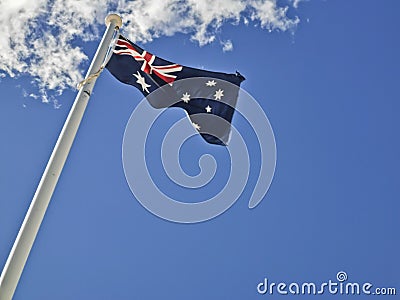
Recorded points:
43,38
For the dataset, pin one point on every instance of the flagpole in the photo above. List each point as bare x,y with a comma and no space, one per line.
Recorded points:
26,236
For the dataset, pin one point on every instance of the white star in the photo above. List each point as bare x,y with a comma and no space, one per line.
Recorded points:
186,97
208,108
196,126
142,82
211,83
219,94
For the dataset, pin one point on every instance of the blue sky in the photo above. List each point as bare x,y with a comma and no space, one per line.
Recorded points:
328,85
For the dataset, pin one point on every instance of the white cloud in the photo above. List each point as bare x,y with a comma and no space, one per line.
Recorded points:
39,37
296,3
227,45
270,16
34,96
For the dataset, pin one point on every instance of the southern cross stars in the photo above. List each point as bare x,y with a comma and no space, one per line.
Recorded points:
211,83
186,97
196,126
142,82
219,94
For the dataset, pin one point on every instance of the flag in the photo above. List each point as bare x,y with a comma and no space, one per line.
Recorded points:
209,98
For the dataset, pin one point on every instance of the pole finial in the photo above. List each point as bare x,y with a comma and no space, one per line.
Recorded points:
114,17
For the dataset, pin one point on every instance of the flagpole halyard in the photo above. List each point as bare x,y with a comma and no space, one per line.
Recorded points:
26,236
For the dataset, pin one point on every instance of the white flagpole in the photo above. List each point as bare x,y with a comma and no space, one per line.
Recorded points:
26,236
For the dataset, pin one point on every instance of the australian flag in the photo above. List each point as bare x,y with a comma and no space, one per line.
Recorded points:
208,97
